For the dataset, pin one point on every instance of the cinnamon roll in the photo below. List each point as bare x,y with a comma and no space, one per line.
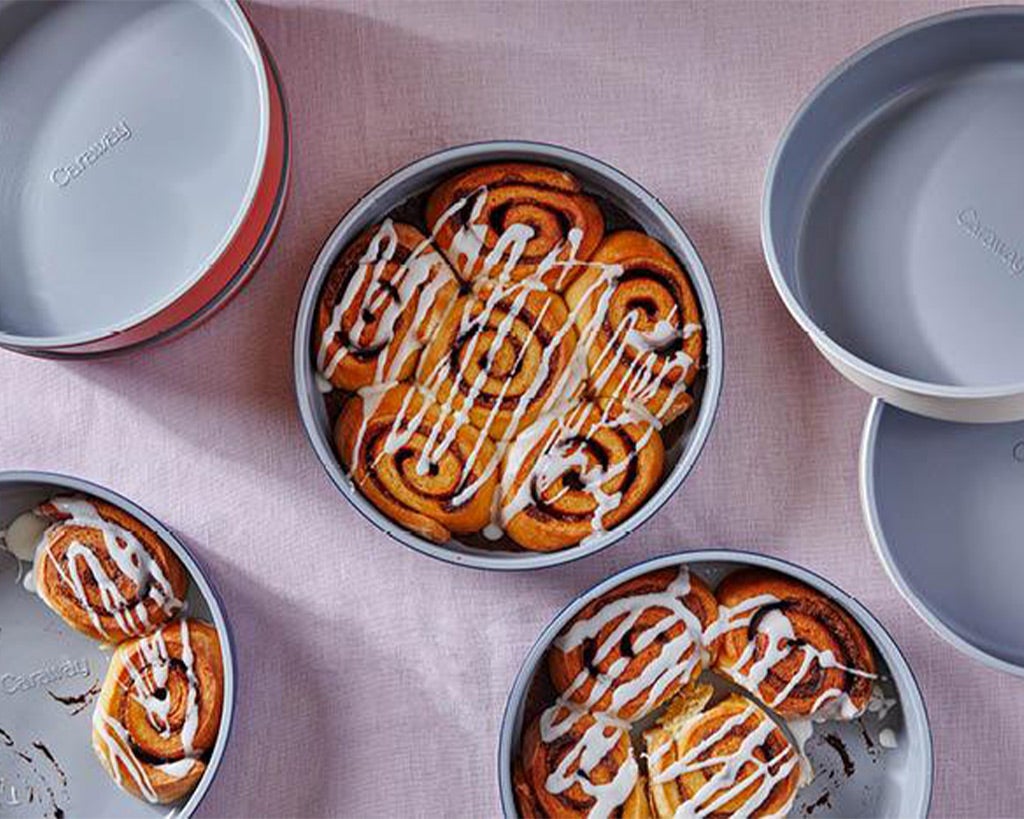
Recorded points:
640,322
104,572
791,646
571,478
426,469
635,647
578,764
514,221
383,299
731,760
158,712
503,355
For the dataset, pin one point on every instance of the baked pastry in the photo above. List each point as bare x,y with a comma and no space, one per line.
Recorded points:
572,477
558,401
104,572
792,647
640,323
159,709
635,647
514,221
382,301
730,760
426,469
578,764
503,355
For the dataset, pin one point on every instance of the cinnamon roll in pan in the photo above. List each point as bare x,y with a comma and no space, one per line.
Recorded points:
637,669
497,236
94,589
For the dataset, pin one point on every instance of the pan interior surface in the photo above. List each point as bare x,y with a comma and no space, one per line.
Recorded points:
905,241
947,502
133,137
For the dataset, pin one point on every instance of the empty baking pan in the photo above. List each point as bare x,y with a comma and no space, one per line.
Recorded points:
893,216
942,501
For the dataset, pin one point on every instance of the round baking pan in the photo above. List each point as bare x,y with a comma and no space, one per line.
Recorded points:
864,780
148,158
942,503
892,216
612,187
50,673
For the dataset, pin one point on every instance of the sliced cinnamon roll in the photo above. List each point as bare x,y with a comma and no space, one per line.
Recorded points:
791,646
731,760
514,221
640,322
382,301
159,710
633,649
105,573
430,471
577,764
504,356
572,477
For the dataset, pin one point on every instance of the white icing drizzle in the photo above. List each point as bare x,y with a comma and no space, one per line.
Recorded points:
131,558
726,782
117,748
777,627
496,290
676,661
593,746
148,688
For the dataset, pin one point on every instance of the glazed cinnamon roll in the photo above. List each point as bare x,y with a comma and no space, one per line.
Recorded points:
635,647
428,470
574,477
383,299
640,322
795,649
158,712
503,355
730,760
104,572
577,764
514,221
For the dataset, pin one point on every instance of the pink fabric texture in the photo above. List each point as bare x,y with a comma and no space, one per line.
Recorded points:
373,679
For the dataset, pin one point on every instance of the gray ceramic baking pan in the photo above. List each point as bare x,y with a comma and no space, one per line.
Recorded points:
142,144
632,203
893,216
49,673
865,780
942,502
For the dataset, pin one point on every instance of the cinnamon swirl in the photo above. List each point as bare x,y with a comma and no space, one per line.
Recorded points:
640,322
104,572
571,478
791,646
159,710
383,299
635,647
731,760
578,764
427,469
514,221
503,355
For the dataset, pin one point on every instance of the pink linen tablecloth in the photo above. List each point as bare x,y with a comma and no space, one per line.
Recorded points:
373,679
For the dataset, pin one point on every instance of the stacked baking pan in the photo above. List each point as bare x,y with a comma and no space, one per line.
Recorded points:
143,174
893,226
